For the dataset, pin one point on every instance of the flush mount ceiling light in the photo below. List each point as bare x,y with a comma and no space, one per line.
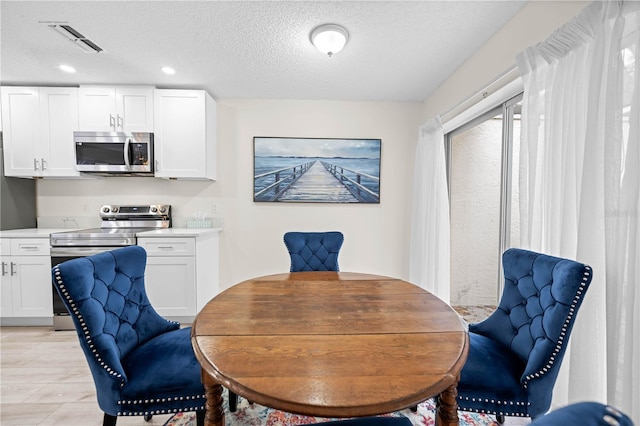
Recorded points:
168,70
329,38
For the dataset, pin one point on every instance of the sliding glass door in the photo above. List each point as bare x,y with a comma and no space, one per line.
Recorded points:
482,164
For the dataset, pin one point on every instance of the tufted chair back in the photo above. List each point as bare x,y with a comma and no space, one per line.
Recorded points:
314,251
515,354
127,344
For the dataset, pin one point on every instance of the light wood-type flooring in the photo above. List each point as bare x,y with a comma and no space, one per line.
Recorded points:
45,380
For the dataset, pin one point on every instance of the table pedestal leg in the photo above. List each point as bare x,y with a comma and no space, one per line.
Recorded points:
447,407
214,410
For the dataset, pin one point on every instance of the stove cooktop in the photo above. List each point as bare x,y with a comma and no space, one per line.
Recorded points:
120,224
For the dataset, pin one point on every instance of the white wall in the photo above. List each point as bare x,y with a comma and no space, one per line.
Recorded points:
533,24
376,236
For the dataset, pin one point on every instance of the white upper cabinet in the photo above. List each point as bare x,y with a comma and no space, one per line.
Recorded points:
116,109
38,125
185,134
58,121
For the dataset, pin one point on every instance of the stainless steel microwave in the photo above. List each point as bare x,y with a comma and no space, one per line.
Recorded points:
114,153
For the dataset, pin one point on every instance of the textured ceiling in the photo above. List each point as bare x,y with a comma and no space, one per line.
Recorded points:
397,51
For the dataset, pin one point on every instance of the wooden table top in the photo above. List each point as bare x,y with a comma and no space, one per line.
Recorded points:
331,344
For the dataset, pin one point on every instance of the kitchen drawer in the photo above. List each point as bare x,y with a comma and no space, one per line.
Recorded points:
168,246
30,247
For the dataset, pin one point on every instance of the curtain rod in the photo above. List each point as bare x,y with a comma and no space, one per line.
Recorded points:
506,77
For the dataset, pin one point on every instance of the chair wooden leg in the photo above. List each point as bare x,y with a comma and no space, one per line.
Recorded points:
109,420
200,418
500,419
414,408
147,417
233,402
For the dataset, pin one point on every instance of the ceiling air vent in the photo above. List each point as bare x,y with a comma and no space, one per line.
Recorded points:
72,34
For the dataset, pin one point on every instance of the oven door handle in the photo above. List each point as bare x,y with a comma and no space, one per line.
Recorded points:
127,152
79,251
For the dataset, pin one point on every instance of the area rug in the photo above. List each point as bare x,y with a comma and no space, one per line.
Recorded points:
258,415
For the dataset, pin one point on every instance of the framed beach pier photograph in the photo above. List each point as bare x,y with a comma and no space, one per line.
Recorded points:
316,170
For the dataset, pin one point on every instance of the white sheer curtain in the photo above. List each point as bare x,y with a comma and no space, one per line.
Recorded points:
429,250
580,189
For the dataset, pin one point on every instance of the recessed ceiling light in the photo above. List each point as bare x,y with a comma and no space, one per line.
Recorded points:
168,70
67,68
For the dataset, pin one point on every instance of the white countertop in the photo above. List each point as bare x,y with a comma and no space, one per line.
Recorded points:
170,232
178,232
31,232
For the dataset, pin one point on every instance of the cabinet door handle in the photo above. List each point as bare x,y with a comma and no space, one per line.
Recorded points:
112,122
13,272
4,269
157,168
36,167
165,247
120,121
44,166
30,248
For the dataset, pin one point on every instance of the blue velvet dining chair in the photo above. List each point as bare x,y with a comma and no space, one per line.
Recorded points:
141,363
515,354
584,414
314,251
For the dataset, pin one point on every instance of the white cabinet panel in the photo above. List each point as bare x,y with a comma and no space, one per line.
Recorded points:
39,123
116,109
182,273
170,284
6,302
31,286
185,134
26,278
134,109
58,121
21,130
97,108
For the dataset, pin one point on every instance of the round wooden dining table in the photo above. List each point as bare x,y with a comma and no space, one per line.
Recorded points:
330,344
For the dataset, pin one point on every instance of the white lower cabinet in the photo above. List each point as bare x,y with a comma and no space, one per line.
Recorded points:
26,279
182,273
170,283
170,277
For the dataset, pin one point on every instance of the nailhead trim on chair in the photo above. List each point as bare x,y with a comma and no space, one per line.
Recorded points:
517,403
154,412
147,401
563,332
544,369
110,370
83,325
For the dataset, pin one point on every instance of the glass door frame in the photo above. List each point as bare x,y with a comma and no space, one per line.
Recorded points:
507,110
